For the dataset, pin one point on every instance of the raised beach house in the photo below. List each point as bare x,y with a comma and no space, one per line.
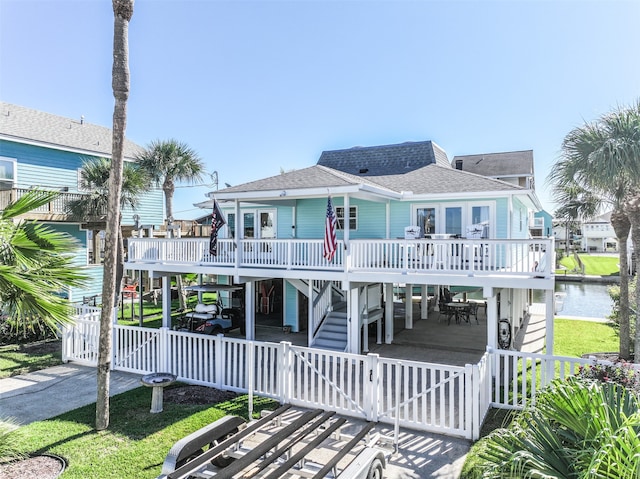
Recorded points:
408,222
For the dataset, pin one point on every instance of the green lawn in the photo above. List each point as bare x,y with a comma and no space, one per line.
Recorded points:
23,358
575,338
136,443
594,265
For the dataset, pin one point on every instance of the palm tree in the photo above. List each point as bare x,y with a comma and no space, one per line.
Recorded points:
36,264
168,162
598,157
122,12
91,208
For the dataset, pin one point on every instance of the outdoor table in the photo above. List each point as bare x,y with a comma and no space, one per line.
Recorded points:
459,307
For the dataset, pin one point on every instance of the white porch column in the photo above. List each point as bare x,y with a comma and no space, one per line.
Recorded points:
388,313
424,303
548,320
408,306
353,321
250,310
239,234
492,321
310,319
166,301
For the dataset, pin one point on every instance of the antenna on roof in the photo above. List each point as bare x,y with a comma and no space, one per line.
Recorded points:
82,119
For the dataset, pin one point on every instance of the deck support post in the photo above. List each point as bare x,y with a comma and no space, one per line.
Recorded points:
408,306
424,303
250,310
388,313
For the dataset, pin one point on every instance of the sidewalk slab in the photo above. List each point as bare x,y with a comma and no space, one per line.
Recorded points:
49,392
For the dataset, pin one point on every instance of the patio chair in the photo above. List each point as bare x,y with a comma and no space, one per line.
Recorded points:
445,310
472,310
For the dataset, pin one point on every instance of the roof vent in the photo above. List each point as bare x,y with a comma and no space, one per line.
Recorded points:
82,120
364,170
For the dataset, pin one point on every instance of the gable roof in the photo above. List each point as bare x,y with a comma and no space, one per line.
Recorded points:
385,159
24,125
510,163
430,179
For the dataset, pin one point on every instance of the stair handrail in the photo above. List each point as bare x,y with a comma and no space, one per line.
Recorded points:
320,306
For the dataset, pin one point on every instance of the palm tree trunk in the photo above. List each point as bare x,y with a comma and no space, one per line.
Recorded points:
621,225
122,12
633,211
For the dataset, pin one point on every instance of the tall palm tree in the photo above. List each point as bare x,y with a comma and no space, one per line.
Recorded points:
169,162
122,12
601,157
36,262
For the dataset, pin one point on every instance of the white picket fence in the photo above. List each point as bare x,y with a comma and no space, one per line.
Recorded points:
424,396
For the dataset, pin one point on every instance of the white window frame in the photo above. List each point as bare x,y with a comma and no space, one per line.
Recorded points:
14,171
466,214
352,218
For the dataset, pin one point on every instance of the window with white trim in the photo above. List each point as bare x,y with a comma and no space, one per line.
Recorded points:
7,172
353,217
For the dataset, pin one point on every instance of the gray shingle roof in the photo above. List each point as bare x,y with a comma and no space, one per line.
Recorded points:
385,159
435,179
24,124
311,177
510,163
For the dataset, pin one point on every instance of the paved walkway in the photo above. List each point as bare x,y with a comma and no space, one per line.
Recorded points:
47,393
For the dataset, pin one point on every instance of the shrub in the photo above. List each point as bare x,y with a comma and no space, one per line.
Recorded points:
621,373
9,437
576,428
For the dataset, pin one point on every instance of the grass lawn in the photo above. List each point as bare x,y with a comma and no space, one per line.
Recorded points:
593,265
23,358
136,443
575,338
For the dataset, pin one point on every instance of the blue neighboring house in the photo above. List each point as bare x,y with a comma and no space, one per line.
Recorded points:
407,219
45,151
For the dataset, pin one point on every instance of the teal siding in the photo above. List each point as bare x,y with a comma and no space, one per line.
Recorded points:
49,168
93,286
519,220
502,218
311,214
284,217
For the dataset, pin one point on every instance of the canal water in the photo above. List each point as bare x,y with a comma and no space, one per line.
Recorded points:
590,300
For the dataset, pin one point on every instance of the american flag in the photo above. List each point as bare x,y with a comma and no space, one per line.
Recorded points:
217,221
330,243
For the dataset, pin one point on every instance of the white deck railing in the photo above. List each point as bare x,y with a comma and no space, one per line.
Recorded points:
525,257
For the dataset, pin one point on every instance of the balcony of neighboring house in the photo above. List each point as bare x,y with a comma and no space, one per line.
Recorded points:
55,210
536,227
400,258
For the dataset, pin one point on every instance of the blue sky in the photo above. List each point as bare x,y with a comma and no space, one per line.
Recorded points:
260,87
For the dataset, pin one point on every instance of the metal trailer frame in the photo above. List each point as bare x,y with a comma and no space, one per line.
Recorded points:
265,448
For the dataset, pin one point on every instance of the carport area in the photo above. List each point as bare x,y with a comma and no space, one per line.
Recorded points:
430,340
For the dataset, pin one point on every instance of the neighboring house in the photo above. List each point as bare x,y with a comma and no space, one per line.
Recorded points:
542,225
515,167
467,231
598,235
39,150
